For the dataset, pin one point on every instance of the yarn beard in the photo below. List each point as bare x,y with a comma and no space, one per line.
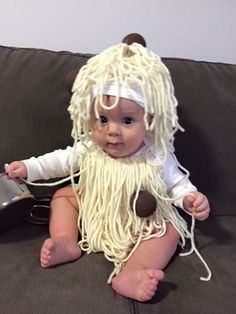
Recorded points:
107,222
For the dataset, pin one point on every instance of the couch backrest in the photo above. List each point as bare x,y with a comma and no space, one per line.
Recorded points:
34,118
34,101
207,110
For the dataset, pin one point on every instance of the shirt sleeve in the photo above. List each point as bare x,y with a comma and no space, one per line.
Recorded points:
52,165
178,184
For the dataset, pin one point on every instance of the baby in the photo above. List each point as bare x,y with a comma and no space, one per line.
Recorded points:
124,117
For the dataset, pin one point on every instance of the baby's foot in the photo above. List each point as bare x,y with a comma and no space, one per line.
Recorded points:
58,250
137,284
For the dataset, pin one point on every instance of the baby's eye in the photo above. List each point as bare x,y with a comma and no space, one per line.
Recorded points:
102,119
128,120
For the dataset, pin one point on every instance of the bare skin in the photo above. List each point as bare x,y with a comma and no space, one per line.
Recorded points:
141,275
62,246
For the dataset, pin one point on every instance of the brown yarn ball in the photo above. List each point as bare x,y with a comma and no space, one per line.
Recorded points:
134,38
128,39
146,204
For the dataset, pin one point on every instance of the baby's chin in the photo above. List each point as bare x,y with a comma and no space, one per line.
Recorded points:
120,154
117,154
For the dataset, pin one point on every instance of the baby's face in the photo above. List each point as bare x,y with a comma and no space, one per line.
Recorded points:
120,132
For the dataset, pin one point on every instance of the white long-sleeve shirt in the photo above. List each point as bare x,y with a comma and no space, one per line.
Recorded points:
57,164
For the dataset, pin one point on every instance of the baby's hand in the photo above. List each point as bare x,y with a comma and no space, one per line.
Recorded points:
16,169
197,204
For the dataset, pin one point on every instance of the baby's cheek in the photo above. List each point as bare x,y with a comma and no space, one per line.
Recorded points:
98,138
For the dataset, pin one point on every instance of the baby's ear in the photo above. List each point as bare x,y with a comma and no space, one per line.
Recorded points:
70,78
150,119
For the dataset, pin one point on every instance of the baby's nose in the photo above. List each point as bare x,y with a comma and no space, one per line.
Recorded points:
113,128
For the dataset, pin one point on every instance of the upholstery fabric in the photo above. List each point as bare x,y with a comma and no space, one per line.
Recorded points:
34,120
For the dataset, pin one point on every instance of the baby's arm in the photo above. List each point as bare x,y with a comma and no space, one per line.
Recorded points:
50,165
197,204
184,192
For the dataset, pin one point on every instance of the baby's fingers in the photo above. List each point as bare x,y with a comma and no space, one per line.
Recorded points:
201,215
15,169
198,207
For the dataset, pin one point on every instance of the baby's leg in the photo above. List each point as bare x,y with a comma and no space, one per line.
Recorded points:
140,276
62,246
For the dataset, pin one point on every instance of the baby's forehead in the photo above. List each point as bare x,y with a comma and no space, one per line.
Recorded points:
119,102
118,106
112,90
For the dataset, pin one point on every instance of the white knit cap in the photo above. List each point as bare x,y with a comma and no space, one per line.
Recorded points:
131,92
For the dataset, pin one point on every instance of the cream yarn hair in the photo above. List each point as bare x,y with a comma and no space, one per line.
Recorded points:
127,65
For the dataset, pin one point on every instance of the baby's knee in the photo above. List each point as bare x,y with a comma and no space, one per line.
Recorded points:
173,233
63,193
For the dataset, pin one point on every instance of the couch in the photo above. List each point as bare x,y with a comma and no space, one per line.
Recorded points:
34,120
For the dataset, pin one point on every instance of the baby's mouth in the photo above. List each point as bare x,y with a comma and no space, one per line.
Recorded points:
114,144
